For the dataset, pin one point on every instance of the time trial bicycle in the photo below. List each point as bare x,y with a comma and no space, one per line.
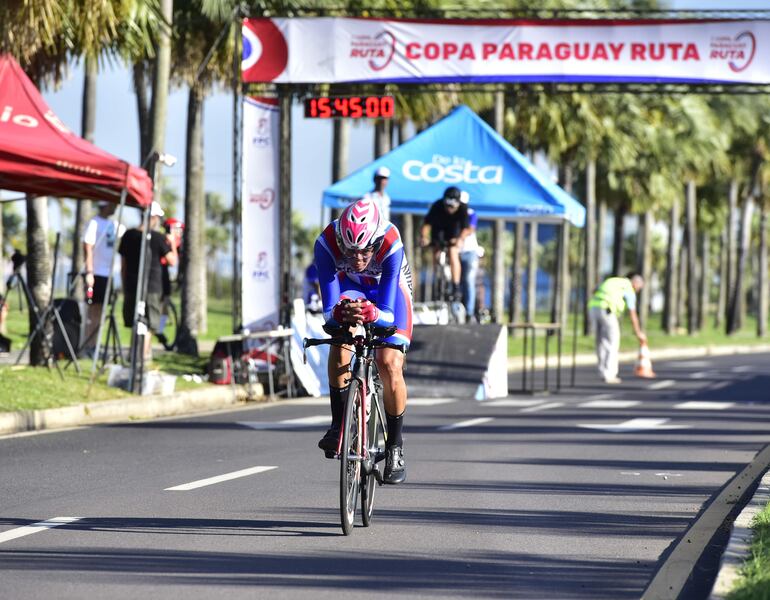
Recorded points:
364,429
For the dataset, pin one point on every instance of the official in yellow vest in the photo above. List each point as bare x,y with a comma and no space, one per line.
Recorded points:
609,301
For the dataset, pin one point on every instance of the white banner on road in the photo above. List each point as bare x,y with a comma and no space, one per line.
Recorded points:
260,239
336,50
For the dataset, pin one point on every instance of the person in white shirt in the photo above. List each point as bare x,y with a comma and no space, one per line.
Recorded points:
379,195
469,260
98,247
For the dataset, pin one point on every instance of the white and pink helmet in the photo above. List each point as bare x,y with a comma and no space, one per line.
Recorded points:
359,224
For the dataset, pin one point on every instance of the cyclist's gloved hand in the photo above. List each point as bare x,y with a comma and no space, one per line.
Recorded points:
369,312
341,311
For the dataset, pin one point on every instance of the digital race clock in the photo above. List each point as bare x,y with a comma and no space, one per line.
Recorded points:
350,107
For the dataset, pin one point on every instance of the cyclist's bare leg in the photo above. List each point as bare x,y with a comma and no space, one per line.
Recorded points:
339,361
390,364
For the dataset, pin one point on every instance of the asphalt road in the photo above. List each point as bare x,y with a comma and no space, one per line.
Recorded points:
576,495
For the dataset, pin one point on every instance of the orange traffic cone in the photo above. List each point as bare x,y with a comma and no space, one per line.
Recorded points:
644,364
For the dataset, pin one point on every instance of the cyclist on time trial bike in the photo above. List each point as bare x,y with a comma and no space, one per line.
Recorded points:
364,278
447,224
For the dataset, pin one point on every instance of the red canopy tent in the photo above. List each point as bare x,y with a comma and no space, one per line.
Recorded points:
40,156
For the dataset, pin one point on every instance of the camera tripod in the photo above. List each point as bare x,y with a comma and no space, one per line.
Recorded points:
43,320
112,349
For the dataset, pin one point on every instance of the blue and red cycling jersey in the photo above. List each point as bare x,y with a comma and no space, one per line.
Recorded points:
386,281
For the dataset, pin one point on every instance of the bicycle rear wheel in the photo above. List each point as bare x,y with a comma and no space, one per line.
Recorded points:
171,326
350,457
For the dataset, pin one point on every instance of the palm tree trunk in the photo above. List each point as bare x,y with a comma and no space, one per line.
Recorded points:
340,151
160,84
682,280
87,127
589,259
705,279
617,243
38,269
732,243
645,267
193,267
532,273
692,258
672,272
722,297
143,110
762,271
514,310
601,228
381,138
738,300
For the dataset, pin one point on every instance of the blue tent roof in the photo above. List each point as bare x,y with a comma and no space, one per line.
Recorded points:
462,150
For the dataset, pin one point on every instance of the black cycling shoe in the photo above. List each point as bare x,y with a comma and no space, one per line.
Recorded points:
329,442
395,466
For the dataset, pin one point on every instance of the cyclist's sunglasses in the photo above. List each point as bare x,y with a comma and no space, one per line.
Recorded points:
363,252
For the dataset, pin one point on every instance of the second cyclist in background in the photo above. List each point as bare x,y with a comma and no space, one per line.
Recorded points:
447,224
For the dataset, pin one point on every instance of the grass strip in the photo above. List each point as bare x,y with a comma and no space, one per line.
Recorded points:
754,582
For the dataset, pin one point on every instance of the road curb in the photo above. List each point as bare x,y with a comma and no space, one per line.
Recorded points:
740,540
132,408
515,362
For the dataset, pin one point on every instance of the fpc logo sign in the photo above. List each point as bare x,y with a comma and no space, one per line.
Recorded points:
265,53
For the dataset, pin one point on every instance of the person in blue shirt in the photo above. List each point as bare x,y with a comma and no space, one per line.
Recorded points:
364,278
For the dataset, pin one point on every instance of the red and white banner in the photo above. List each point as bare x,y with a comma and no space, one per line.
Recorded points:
260,239
337,50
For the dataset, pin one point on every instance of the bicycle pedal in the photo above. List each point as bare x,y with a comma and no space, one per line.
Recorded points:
378,476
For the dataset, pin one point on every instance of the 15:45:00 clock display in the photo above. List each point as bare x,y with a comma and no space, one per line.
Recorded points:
350,107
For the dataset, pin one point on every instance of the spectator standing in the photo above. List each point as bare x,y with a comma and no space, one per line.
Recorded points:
379,195
611,298
469,260
159,247
99,240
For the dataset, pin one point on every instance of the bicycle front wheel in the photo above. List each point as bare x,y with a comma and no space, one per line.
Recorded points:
350,457
376,443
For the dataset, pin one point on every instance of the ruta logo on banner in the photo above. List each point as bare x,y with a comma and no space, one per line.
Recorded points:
377,49
738,51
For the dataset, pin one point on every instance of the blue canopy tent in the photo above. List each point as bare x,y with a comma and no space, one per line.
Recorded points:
462,150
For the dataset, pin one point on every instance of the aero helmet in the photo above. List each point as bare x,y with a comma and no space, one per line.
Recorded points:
358,225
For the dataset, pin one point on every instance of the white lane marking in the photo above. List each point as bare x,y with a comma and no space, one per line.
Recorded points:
468,423
609,404
703,405
429,401
634,473
699,375
667,475
720,385
691,364
742,369
540,407
13,534
288,423
512,402
218,479
600,397
633,425
659,385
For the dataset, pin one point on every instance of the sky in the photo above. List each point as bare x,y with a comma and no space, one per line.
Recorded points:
117,129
